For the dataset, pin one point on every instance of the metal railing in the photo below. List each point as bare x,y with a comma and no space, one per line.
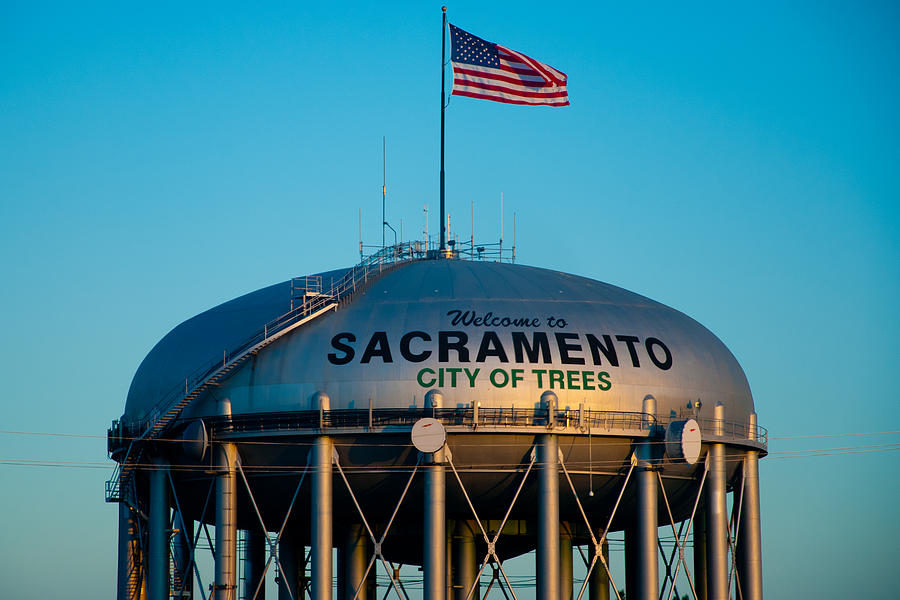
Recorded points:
456,248
563,419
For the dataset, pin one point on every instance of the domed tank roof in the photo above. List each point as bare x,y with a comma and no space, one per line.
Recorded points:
496,333
194,343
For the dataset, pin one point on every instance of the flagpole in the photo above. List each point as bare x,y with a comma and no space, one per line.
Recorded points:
443,63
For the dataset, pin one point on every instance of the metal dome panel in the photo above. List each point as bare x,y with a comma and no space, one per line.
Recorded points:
495,333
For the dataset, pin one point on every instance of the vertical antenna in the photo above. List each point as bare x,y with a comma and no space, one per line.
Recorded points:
514,237
501,226
383,185
427,239
473,228
360,236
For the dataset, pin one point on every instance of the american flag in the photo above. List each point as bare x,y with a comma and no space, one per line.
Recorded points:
482,69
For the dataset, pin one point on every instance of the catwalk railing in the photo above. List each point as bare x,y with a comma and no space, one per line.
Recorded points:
612,422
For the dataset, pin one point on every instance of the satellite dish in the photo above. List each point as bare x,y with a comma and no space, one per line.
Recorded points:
428,435
683,441
195,441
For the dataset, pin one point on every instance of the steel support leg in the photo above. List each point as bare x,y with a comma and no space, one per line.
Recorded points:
183,579
632,568
465,561
700,549
646,530
321,519
131,559
547,555
225,587
566,581
158,528
435,533
353,557
291,559
255,564
717,517
599,589
749,549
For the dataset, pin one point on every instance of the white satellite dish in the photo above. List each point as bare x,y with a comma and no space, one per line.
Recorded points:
428,435
683,441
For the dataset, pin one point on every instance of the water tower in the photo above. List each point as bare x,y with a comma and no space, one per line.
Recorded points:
444,409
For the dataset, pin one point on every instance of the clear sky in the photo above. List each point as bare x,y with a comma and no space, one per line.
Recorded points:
738,163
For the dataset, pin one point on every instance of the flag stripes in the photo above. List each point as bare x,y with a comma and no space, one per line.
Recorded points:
488,71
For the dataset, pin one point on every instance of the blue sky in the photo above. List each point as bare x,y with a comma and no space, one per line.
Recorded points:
738,163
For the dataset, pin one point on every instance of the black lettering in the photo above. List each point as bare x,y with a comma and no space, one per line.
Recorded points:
337,344
565,347
378,346
491,346
539,347
606,347
445,345
630,340
406,353
664,364
457,315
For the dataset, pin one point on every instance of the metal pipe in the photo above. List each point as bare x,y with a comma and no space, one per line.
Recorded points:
547,555
632,568
354,558
566,581
183,576
321,519
443,69
158,529
290,556
647,538
700,550
225,586
717,515
599,588
465,561
254,564
749,548
645,535
434,555
131,559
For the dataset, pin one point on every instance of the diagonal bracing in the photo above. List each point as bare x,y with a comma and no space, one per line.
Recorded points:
273,544
598,545
377,542
492,542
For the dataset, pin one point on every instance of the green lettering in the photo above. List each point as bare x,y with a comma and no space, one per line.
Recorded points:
423,372
516,376
603,382
504,380
587,380
556,377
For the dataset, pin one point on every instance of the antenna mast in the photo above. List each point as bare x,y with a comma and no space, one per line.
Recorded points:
501,226
383,185
443,62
